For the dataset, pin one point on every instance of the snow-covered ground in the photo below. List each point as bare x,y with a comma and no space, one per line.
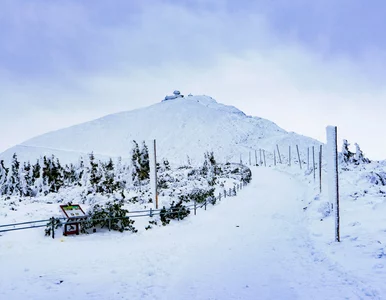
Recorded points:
267,243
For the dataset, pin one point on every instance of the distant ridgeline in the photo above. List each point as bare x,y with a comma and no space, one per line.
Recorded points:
176,94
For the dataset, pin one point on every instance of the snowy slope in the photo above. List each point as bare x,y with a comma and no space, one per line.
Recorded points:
182,127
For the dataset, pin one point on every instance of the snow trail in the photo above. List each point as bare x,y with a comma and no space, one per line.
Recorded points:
253,246
262,250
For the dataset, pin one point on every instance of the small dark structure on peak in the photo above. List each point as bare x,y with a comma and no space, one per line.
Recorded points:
176,94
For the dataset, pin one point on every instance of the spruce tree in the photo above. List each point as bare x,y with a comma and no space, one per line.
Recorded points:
94,173
55,175
144,162
359,157
36,171
37,177
135,157
26,180
45,174
109,183
15,186
3,178
347,154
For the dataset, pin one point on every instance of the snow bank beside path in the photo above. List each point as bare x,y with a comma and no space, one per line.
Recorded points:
362,250
253,246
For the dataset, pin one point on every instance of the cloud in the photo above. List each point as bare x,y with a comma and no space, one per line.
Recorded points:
69,62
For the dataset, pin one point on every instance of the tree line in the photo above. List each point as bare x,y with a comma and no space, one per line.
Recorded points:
49,175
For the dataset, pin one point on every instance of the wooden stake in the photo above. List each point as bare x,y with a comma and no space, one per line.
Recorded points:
278,153
289,155
265,162
155,174
320,169
300,162
274,157
313,161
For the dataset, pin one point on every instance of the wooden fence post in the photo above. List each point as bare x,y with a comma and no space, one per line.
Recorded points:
320,169
265,162
274,157
153,172
289,155
313,161
300,162
278,153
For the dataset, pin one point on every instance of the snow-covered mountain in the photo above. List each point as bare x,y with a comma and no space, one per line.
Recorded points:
183,127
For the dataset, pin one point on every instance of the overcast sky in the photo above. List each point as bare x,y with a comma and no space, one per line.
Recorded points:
302,64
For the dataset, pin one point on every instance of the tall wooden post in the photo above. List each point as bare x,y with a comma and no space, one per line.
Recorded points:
308,158
300,162
256,157
278,153
320,168
289,155
261,161
265,162
274,157
313,161
333,176
153,173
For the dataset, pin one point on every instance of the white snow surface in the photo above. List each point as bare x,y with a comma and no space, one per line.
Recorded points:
266,243
183,127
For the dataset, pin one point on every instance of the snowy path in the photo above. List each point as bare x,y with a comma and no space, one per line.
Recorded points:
254,246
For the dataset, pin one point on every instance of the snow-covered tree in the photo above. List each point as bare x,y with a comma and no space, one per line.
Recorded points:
346,153
95,174
209,169
144,162
108,183
14,184
359,157
354,158
26,179
140,163
3,178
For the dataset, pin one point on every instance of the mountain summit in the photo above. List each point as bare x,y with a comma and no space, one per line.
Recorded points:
183,127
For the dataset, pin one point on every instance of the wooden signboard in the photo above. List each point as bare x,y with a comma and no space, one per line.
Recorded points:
73,212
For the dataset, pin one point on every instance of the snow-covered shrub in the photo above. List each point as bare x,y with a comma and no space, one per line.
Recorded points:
198,195
359,157
174,212
349,157
140,162
54,223
112,215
